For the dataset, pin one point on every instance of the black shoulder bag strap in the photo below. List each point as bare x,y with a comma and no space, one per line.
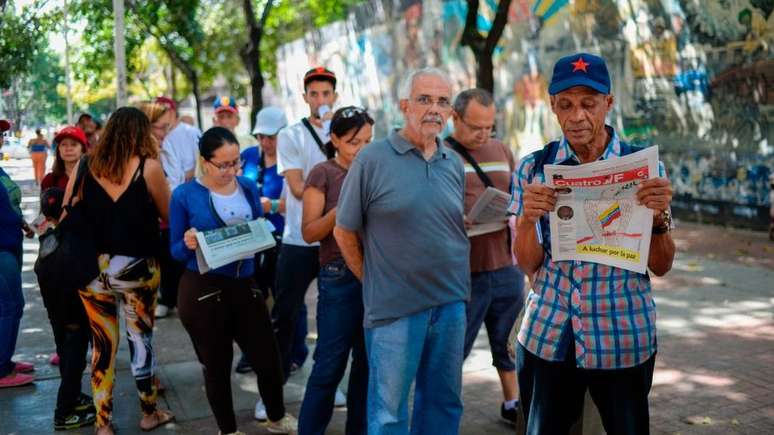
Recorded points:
316,138
466,155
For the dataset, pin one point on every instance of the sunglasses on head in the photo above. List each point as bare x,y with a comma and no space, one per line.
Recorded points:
352,111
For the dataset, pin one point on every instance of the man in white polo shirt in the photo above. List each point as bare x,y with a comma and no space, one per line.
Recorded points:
299,149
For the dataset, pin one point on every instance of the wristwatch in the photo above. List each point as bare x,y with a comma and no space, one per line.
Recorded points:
665,224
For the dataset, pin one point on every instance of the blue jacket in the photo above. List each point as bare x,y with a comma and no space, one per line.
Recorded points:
191,208
10,215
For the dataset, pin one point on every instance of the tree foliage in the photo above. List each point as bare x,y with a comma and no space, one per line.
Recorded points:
30,71
175,47
21,36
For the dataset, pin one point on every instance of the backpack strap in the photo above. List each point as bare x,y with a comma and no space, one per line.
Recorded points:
543,156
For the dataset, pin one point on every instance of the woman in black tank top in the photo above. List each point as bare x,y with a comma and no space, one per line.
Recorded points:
124,193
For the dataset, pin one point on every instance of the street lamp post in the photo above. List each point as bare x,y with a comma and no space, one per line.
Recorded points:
68,84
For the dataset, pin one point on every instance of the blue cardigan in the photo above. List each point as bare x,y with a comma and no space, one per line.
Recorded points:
191,208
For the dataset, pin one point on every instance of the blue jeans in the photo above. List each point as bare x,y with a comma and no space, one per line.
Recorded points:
11,308
340,328
496,298
427,346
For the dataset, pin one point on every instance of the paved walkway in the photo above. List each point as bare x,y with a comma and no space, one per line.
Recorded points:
713,372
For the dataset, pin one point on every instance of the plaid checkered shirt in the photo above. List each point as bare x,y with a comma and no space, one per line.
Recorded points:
609,312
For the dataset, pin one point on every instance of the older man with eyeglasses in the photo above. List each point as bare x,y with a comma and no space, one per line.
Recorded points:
400,227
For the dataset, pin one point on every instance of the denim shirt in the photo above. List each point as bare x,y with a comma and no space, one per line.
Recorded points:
190,208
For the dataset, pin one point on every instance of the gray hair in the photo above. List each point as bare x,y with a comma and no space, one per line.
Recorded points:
404,91
481,96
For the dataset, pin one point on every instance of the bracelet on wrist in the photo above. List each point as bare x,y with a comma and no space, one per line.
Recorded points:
274,205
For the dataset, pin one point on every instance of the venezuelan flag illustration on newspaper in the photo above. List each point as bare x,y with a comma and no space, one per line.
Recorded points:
608,216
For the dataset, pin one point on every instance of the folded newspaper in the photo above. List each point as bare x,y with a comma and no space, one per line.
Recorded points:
489,213
597,218
225,245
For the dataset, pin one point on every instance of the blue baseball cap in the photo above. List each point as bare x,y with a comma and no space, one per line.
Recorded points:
580,69
225,103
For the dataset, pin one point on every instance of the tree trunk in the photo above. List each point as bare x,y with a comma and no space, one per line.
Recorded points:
484,47
251,55
485,73
194,78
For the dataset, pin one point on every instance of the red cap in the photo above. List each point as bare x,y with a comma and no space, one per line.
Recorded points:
5,125
166,101
319,72
73,133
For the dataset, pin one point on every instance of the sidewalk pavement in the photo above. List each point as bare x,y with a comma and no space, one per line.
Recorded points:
713,372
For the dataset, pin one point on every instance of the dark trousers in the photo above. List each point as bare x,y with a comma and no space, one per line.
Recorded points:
171,270
266,278
216,311
72,335
552,394
340,332
297,267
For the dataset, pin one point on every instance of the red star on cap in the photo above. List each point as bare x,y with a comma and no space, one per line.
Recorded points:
579,65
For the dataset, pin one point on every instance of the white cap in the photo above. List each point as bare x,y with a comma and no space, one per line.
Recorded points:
269,121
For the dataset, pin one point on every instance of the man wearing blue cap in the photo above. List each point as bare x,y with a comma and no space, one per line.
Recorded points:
586,326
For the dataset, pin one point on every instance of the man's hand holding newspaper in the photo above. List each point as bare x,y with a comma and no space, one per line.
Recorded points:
603,211
489,213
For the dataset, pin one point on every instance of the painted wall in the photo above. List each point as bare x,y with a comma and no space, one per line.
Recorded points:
694,77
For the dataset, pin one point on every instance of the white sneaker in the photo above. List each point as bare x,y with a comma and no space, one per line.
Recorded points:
287,425
260,410
341,400
161,311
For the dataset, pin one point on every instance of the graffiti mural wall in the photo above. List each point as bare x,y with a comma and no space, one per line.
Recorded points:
695,77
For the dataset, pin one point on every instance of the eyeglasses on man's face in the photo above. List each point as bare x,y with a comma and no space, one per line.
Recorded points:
428,101
476,130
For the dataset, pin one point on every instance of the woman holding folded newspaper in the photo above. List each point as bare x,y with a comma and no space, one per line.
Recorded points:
224,305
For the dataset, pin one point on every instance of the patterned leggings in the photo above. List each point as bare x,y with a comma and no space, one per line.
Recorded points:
134,281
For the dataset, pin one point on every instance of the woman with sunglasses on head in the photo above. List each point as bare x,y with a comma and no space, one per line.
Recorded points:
224,304
340,303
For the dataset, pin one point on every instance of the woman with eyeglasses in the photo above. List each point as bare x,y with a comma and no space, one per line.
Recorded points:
224,305
340,303
162,118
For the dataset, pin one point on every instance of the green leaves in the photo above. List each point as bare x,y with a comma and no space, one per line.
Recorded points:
21,37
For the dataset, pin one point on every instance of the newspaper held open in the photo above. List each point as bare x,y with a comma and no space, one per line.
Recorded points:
489,213
225,245
597,218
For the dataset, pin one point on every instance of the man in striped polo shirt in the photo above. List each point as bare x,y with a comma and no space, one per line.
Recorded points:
497,286
586,325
